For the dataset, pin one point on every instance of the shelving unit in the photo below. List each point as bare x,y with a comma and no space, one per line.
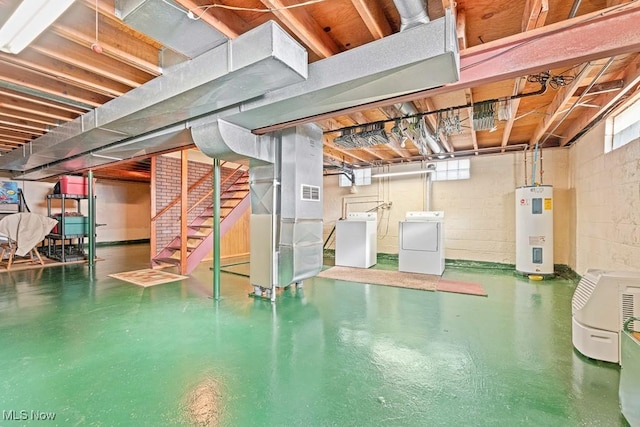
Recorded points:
67,243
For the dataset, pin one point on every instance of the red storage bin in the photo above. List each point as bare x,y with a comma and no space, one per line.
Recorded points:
75,185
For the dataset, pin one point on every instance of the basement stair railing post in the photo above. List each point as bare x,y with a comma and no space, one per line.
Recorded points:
207,196
216,229
177,199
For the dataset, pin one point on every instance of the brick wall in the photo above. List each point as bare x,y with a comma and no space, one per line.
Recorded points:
167,183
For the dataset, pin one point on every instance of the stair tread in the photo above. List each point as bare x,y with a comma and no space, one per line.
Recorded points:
168,260
177,247
195,235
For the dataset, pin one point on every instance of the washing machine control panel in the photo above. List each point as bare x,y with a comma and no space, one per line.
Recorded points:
425,216
362,216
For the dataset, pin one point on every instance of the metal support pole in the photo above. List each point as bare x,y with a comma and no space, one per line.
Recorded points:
91,219
216,229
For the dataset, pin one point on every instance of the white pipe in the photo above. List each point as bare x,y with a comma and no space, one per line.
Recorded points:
388,174
427,197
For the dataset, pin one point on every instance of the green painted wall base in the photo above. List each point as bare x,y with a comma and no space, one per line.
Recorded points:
561,270
123,242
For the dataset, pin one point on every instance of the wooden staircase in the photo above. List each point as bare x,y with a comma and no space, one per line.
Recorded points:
234,202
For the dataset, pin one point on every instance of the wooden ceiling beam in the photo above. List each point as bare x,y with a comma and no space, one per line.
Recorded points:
19,131
337,151
302,24
116,39
35,61
9,114
71,53
515,105
593,36
554,109
14,142
33,80
10,134
20,135
34,108
535,14
373,17
110,48
597,89
33,99
23,125
631,77
461,29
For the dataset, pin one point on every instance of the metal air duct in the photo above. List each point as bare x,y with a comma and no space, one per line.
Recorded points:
256,62
412,13
422,57
167,23
222,83
226,141
286,198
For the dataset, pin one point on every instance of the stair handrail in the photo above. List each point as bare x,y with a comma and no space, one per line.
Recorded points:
177,198
209,193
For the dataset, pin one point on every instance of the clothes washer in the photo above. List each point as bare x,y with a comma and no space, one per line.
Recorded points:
357,240
421,245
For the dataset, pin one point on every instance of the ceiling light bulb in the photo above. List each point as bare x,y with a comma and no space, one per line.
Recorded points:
403,143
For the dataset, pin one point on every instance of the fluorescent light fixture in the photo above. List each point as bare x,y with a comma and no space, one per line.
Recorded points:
388,174
29,20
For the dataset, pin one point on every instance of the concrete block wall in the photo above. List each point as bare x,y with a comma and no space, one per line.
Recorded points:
606,194
479,212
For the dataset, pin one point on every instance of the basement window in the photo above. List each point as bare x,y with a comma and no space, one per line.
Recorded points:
452,169
362,176
623,128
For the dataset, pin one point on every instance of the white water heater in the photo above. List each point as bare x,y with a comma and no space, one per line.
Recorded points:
534,229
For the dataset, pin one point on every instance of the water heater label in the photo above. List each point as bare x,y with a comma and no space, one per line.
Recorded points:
536,240
548,204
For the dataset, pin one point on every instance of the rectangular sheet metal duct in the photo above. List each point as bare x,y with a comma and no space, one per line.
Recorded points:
416,59
286,210
164,21
263,59
422,57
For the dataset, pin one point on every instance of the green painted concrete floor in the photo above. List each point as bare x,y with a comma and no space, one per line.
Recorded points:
98,351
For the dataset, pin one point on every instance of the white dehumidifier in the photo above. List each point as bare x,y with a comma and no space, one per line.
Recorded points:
602,302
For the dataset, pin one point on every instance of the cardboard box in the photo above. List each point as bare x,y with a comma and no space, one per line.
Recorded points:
73,225
75,185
